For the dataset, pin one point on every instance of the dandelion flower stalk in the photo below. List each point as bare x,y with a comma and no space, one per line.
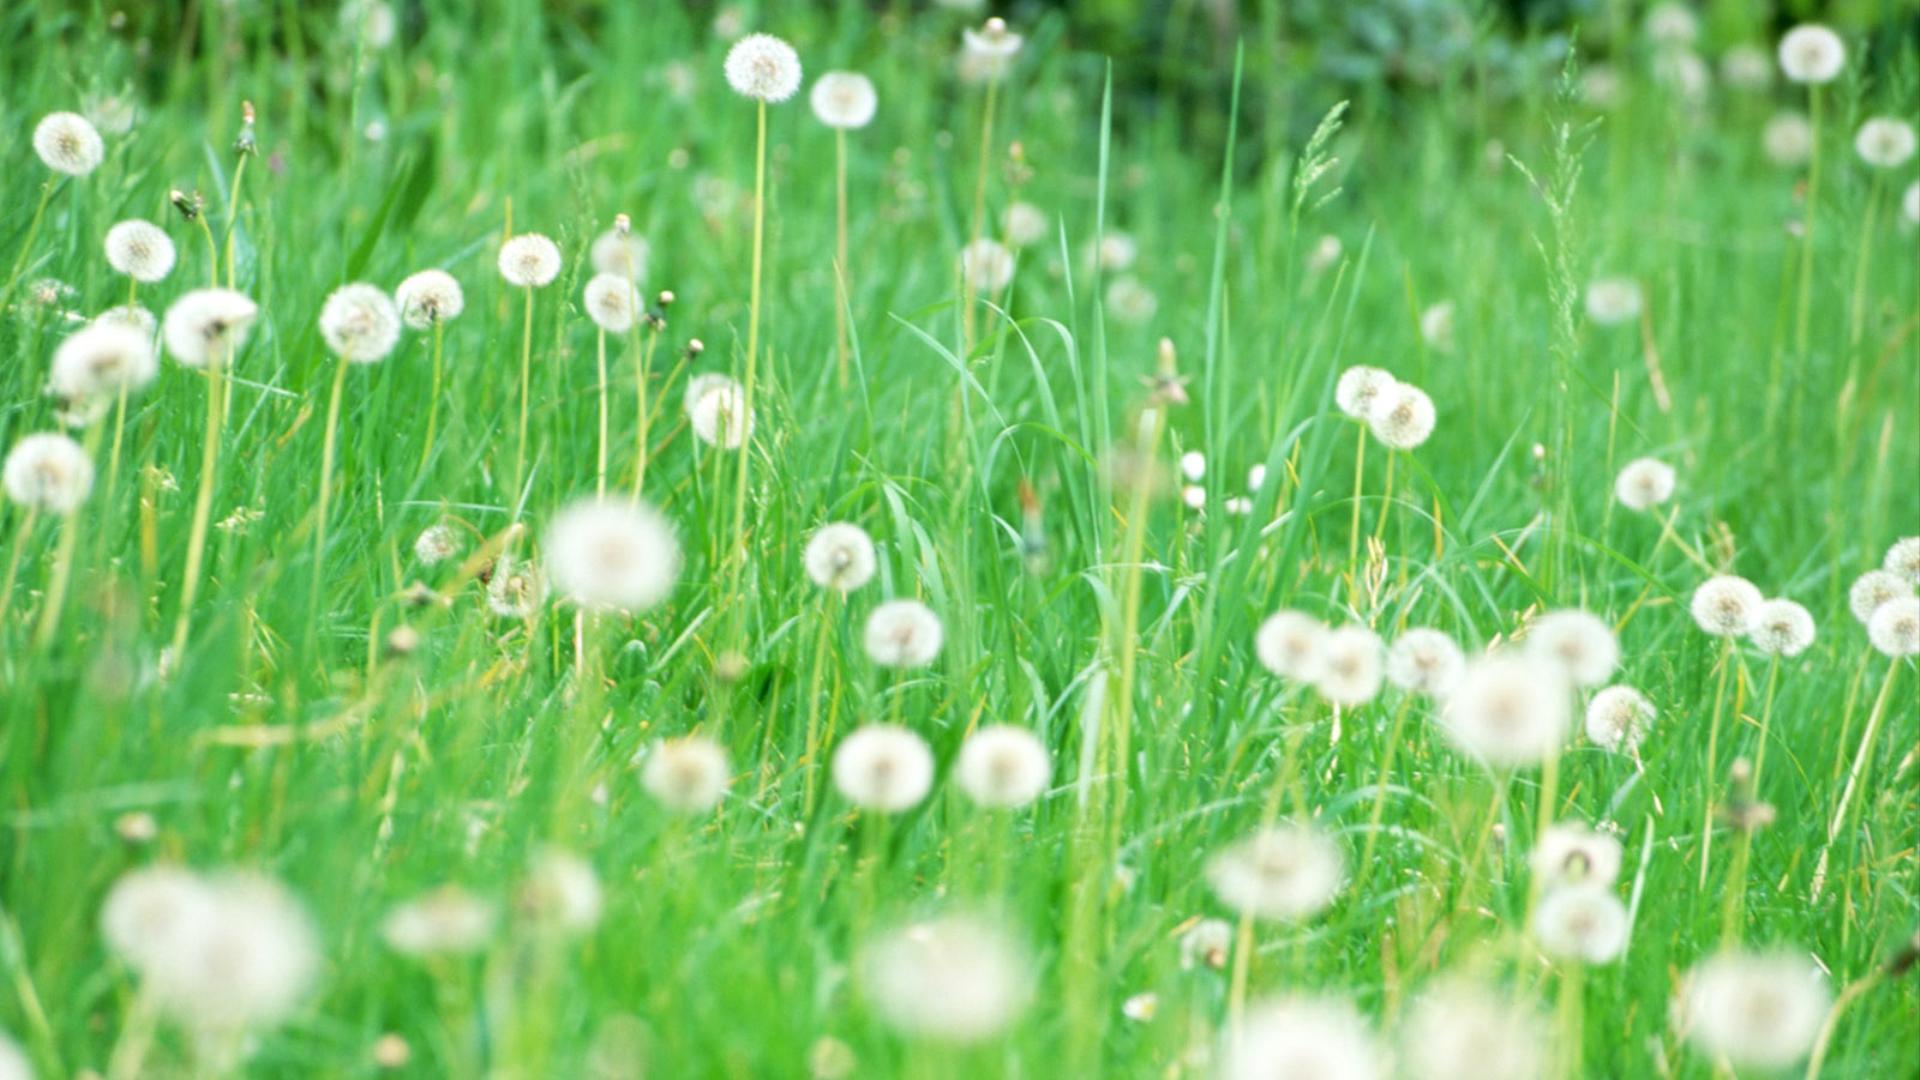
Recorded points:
1805,305
978,225
328,446
842,276
1856,776
203,498
26,245
433,401
25,531
737,558
526,392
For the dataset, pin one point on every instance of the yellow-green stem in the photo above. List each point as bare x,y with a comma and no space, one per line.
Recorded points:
433,400
328,446
526,393
202,502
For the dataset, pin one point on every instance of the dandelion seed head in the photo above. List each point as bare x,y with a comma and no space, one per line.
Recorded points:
1874,588
141,250
562,893
244,961
1459,1030
717,411
436,544
1024,224
1292,645
1302,1039
992,42
1787,139
1574,854
67,143
360,323
1131,302
1359,388
1508,711
1601,86
1755,1010
883,768
448,921
529,261
1683,72
1352,666
1325,252
1402,417
1580,643
764,68
903,634
612,555
1811,53
986,266
1583,922
612,302
131,316
1284,873
1671,25
624,253
1003,767
1425,661
1193,466
1903,559
1725,605
1910,203
1612,301
100,361
1746,67
844,100
688,775
1644,483
151,905
951,978
1781,628
207,325
840,556
1884,142
13,1061
428,297
48,473
1207,941
1895,627
1618,718
515,589
1436,326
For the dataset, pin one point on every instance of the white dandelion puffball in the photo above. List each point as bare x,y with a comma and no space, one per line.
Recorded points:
1644,483
449,921
1436,326
624,253
987,54
1326,251
1292,645
840,556
429,297
883,767
764,68
1208,942
844,99
1611,301
1193,466
1002,767
1574,854
141,250
688,775
1116,251
100,361
1895,627
903,634
612,555
133,317
1811,53
1359,388
952,978
1024,224
1584,922
48,473
986,265
1618,718
207,326
1508,711
562,893
360,323
717,411
1685,73
1425,661
1903,559
1787,139
1781,628
243,961
1302,1039
1746,67
1131,302
1600,86
1725,605
1910,203
515,589
612,302
1873,588
436,544
68,144
1352,666
13,1061
1285,872
1402,417
1580,643
150,906
1459,1030
1756,1010
1884,142
529,261
1671,25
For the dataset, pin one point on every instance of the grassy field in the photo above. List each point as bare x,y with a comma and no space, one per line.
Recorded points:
317,704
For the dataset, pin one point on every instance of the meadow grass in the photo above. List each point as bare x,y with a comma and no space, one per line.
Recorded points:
1014,467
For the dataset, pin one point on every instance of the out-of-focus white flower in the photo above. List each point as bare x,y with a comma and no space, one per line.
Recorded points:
1302,1039
612,555
689,774
1611,301
1754,1010
1885,142
1425,661
764,68
1024,224
1462,1031
1285,872
67,143
1352,666
903,634
884,768
986,266
562,892
844,99
1508,712
1582,922
1292,645
1787,139
1644,483
1618,718
1002,767
1579,642
840,556
1436,326
1811,53
48,473
1574,854
447,921
952,978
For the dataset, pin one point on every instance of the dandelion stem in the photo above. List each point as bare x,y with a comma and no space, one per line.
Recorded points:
1353,539
56,595
233,216
26,246
526,392
813,703
433,400
738,556
20,538
600,356
978,227
1855,775
841,274
1713,751
328,446
1806,234
203,500
1380,790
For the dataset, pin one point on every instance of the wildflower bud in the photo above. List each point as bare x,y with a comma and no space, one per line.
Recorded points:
392,1052
666,298
136,827
694,348
622,224
188,204
402,640
244,144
